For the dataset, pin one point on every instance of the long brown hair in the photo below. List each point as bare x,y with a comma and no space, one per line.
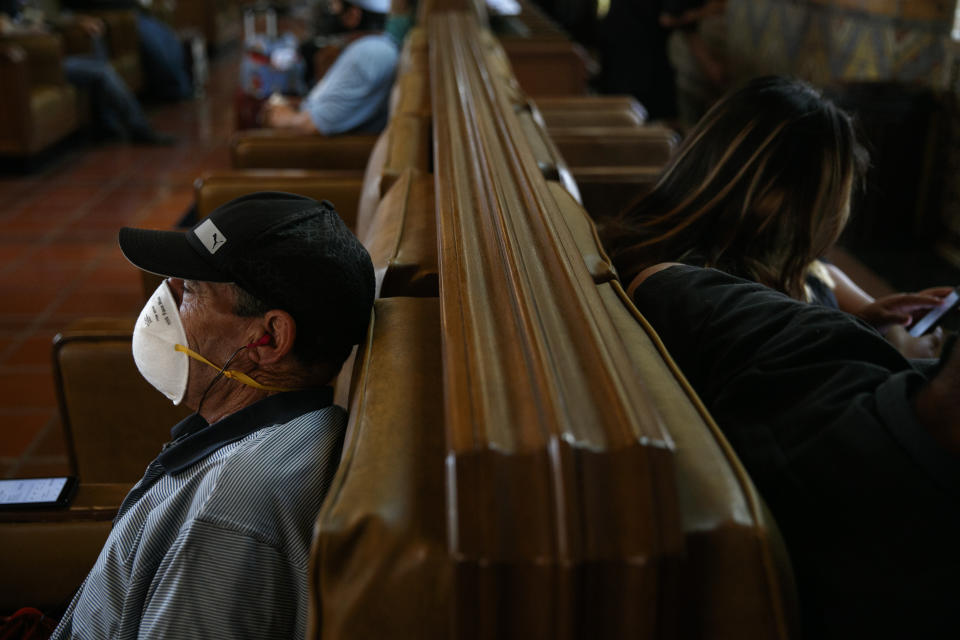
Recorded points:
759,188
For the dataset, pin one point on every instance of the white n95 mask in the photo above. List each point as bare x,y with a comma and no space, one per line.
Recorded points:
161,353
155,338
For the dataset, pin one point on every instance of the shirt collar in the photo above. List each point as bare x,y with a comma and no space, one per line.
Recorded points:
195,439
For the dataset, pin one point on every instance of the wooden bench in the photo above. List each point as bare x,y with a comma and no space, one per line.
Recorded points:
559,478
341,188
589,111
576,468
587,105
607,191
277,149
402,238
649,146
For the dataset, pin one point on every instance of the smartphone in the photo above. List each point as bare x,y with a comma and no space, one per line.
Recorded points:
26,493
933,316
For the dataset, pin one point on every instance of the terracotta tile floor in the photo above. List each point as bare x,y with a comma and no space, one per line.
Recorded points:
59,260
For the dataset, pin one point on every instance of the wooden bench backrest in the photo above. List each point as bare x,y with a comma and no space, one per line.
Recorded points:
650,146
404,144
411,90
534,465
736,574
560,479
735,570
607,191
402,238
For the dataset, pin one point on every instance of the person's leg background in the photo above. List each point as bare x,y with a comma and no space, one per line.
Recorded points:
116,108
163,59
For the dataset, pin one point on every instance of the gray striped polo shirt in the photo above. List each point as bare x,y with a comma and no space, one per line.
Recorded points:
214,541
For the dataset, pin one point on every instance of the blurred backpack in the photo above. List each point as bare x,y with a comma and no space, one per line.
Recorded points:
269,65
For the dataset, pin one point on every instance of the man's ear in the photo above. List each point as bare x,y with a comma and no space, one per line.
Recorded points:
279,332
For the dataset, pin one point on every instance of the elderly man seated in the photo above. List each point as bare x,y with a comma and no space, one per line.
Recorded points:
264,301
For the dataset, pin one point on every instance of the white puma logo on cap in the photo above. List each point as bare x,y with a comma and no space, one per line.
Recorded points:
211,237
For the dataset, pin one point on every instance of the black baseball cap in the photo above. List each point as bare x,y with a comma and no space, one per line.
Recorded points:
292,252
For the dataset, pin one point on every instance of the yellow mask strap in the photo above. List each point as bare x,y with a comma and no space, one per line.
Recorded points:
239,376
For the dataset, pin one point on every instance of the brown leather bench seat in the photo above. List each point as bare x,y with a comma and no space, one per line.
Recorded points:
380,560
38,106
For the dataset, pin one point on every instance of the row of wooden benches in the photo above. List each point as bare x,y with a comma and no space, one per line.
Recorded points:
522,457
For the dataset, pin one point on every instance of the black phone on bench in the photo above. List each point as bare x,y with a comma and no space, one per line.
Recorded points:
932,317
37,493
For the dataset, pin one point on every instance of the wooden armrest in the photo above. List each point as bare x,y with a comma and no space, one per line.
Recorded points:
555,118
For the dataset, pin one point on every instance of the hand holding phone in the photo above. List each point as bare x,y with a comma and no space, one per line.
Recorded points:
932,317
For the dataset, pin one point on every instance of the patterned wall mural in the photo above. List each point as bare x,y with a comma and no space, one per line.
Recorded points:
831,41
828,41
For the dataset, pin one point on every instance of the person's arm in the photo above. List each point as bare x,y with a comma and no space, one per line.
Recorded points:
279,114
355,89
890,314
218,582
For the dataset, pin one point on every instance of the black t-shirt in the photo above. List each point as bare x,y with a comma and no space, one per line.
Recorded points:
818,407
